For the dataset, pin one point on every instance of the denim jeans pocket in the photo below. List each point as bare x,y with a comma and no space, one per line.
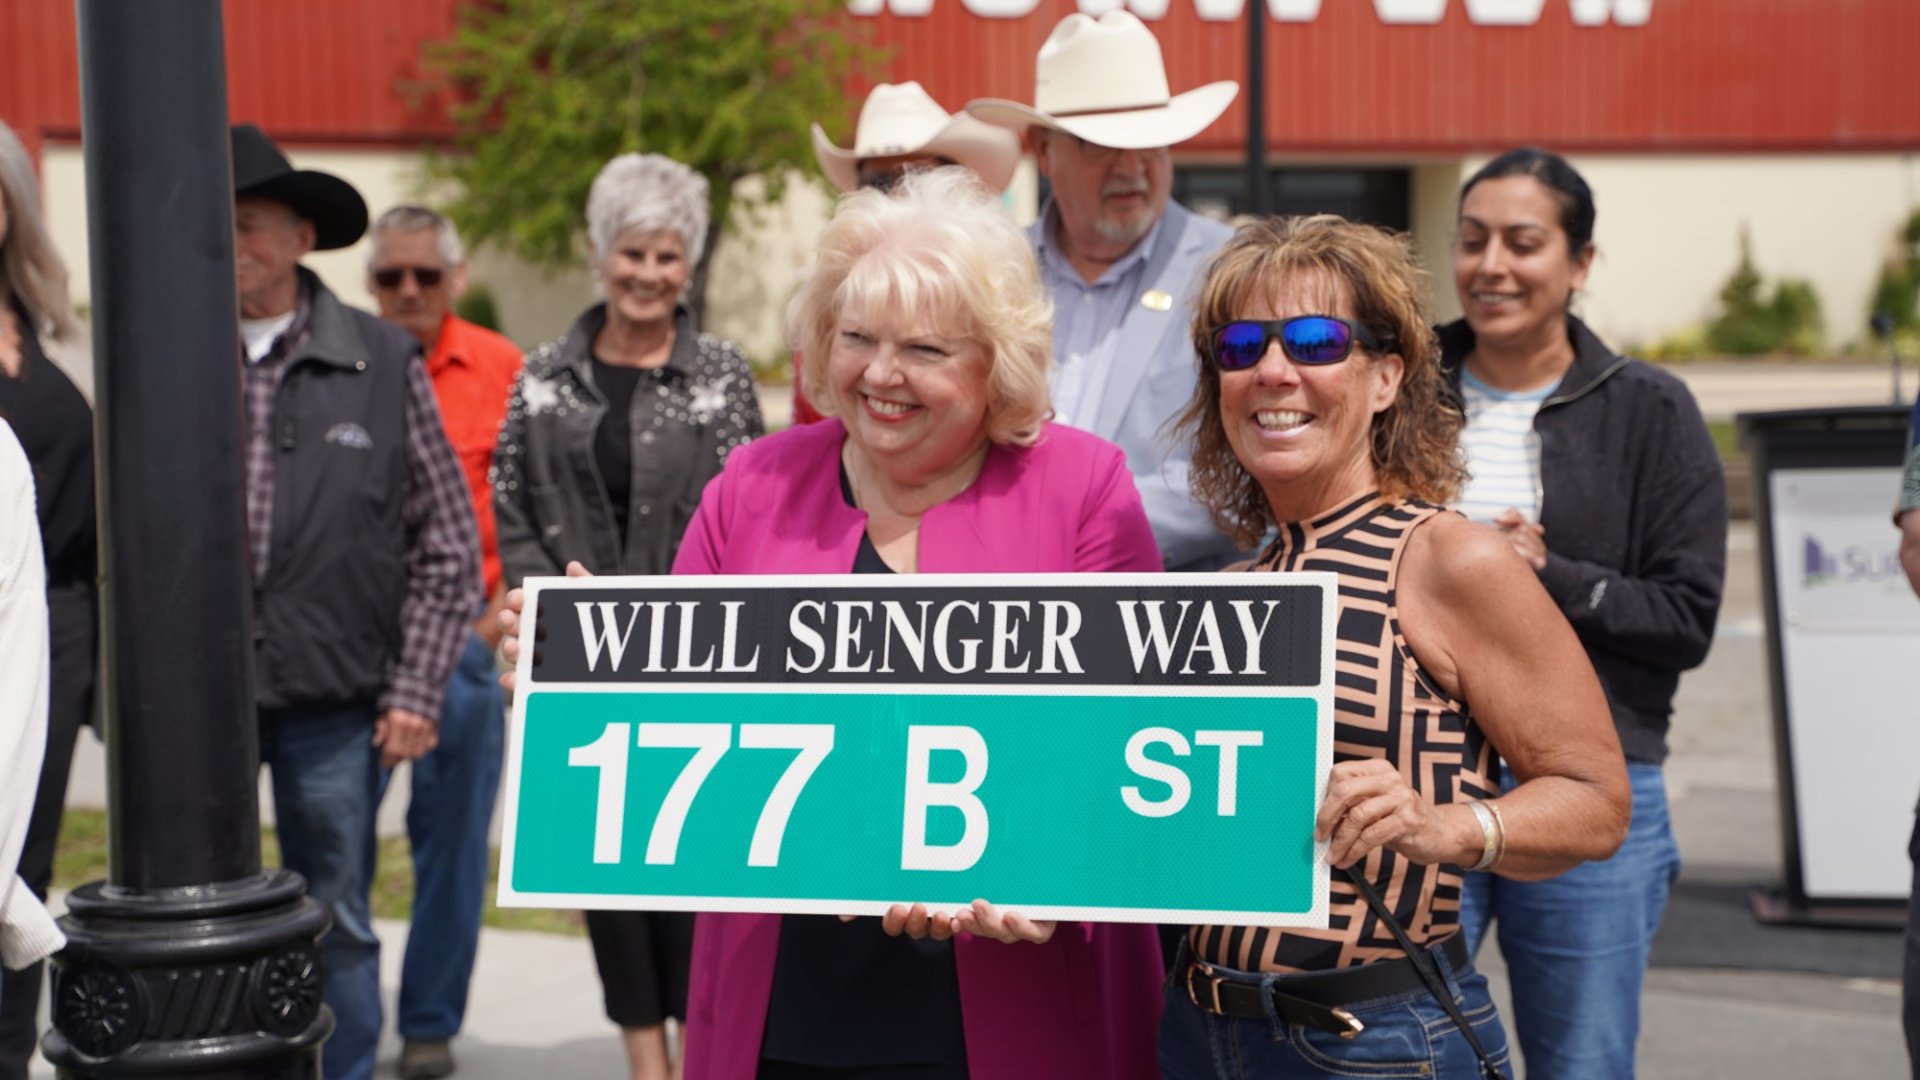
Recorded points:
1394,1044
1487,1028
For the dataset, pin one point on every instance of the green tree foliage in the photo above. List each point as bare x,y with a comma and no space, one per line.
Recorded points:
548,90
1755,320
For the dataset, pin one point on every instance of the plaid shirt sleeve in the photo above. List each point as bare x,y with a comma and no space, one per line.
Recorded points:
443,558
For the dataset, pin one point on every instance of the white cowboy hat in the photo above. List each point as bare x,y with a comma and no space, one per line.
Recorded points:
901,119
1104,81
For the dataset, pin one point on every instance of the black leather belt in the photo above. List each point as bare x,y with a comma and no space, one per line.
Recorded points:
1314,999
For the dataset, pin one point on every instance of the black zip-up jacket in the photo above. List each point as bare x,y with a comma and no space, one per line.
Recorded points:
328,614
1635,510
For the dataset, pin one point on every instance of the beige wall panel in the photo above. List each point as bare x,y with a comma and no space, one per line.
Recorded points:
1436,191
1669,229
383,177
757,266
1668,232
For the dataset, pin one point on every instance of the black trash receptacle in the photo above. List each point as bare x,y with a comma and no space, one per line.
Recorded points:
1843,655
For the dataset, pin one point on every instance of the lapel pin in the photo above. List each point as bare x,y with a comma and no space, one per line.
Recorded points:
1155,300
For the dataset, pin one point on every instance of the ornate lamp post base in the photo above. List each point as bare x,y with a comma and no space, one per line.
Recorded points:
210,981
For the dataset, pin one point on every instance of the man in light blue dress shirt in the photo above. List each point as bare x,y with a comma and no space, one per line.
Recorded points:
1122,260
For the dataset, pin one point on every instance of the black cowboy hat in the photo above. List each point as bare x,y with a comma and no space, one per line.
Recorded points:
338,213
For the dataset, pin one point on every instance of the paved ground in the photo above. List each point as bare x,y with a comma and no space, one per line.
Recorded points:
535,1007
1726,387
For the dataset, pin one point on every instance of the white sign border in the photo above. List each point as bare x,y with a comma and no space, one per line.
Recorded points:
1322,695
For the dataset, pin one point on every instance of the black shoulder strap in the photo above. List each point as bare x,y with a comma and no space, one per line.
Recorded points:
1423,963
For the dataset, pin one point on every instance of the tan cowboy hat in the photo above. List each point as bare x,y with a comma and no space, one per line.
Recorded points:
1104,80
902,118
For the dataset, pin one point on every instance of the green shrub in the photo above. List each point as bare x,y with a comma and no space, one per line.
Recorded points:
1754,320
476,306
1795,311
1897,292
1686,343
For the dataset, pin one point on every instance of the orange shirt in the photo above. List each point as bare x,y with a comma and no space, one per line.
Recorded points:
473,370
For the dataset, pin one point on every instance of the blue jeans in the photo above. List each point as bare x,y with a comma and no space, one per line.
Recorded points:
326,783
448,816
1407,1035
1576,946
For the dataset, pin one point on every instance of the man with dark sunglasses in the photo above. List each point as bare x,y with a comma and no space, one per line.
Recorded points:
416,269
1120,257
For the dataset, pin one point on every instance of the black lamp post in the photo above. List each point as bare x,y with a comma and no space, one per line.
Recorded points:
190,961
1883,329
1258,197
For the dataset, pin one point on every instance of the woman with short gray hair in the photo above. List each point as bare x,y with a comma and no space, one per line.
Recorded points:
611,433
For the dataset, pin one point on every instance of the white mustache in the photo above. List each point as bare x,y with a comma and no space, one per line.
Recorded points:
1122,188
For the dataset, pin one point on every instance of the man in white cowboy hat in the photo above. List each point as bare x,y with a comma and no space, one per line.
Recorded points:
901,127
362,555
1121,259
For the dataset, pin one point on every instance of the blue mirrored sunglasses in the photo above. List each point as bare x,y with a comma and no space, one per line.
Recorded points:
1305,339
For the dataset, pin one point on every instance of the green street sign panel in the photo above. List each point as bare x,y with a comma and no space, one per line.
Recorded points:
1115,747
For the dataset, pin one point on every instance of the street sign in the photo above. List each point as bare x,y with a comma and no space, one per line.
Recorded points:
1116,747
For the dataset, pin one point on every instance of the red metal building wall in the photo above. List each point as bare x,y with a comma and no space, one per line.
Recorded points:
1700,75
1733,75
339,71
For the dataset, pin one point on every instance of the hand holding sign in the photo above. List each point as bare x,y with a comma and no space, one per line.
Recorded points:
1370,805
510,612
985,920
980,919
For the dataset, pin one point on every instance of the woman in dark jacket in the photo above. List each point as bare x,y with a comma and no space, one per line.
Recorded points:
612,431
1600,472
50,415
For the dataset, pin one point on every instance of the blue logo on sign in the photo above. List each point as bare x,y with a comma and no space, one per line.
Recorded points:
1822,565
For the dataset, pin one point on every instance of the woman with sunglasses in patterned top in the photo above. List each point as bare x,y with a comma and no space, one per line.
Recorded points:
1321,419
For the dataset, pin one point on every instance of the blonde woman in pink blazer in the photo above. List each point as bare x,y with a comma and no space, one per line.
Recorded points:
937,458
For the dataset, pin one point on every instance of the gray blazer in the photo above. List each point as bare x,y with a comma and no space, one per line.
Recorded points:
1153,375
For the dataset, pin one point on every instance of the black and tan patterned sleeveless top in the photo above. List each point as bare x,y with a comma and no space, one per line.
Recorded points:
1385,706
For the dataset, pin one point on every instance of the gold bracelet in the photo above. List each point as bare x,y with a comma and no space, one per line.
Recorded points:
1489,831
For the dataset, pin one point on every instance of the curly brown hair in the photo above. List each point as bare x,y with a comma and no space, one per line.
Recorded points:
1416,440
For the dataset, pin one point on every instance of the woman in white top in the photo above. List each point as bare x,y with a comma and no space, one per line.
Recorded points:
27,933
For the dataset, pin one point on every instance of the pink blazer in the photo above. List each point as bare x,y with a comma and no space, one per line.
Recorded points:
1087,1003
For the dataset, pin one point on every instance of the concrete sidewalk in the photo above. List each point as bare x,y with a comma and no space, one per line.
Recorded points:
1727,387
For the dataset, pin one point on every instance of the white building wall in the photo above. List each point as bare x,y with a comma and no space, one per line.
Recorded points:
1435,193
754,271
1668,234
383,177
